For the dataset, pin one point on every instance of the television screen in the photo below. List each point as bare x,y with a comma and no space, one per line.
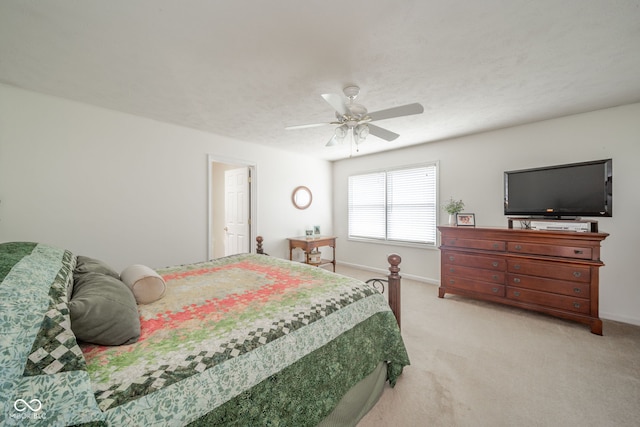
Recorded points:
577,189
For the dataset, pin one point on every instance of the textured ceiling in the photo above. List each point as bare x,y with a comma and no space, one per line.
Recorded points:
246,69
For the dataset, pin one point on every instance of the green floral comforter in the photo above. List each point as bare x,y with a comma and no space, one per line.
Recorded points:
243,340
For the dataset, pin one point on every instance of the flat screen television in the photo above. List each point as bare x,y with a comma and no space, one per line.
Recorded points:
562,191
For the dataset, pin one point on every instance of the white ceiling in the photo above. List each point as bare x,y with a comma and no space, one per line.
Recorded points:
248,68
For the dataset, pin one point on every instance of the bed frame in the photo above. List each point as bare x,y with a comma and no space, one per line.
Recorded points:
393,279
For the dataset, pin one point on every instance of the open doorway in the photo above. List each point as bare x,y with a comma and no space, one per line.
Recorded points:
232,201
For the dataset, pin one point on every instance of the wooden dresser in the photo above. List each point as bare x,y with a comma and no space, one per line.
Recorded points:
554,272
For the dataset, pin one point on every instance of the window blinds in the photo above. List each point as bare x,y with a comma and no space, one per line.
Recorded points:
398,205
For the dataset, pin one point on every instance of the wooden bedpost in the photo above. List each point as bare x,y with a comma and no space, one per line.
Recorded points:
394,285
259,245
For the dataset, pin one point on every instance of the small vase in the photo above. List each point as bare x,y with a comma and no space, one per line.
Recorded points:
452,219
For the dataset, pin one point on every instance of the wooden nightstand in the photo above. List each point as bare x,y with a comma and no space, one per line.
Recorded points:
308,245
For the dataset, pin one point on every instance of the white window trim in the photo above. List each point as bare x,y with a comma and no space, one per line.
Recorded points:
436,243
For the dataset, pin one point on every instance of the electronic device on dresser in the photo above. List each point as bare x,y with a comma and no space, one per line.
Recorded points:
570,190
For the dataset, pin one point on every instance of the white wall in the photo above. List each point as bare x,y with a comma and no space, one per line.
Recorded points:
471,168
132,190
127,189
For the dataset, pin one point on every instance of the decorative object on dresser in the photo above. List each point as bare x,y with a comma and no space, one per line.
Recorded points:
453,207
553,272
466,219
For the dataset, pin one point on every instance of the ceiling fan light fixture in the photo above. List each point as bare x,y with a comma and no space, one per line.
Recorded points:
354,122
361,131
341,131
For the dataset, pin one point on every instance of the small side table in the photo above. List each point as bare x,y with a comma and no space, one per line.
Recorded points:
308,245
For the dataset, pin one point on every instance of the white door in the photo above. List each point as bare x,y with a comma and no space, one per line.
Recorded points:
237,223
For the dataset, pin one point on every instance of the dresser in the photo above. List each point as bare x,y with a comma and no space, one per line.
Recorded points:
553,272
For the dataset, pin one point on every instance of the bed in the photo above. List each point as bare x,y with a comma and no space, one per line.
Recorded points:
243,340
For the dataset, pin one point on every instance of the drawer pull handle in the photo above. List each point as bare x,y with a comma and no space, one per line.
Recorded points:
577,290
494,290
578,251
518,248
451,281
496,246
494,263
516,294
516,267
577,274
451,258
576,305
452,270
452,243
494,277
516,280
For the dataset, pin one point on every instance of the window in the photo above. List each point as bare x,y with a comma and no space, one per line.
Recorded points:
396,205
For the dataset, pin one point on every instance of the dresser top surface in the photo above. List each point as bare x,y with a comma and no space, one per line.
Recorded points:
505,233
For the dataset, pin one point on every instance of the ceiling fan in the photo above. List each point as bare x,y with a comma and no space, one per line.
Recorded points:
354,122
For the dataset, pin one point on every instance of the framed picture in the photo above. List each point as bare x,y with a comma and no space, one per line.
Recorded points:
316,230
466,220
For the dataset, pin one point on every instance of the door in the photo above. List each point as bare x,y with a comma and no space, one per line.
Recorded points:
237,226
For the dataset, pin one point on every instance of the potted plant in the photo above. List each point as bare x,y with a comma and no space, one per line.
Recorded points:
453,207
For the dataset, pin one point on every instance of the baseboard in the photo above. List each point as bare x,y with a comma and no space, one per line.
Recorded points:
385,272
618,318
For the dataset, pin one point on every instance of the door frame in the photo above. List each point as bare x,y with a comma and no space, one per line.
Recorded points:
253,198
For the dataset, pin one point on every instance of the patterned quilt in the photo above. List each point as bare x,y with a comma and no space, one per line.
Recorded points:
242,340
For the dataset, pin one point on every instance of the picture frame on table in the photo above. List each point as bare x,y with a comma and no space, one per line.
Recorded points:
465,219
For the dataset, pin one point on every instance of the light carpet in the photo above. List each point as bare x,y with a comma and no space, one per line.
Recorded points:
476,363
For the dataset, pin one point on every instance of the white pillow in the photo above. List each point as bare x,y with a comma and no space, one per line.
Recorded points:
147,285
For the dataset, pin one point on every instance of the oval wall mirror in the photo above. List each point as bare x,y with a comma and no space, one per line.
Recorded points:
301,197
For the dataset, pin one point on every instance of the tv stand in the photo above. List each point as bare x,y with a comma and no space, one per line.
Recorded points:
553,272
556,223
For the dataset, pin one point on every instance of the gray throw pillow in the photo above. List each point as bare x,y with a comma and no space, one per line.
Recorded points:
86,264
103,310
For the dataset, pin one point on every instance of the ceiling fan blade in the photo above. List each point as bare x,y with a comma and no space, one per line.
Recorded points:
385,134
337,102
403,110
312,125
333,141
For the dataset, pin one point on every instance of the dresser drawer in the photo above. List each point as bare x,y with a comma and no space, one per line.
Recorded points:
578,305
473,285
478,261
474,273
489,245
551,270
575,289
550,250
